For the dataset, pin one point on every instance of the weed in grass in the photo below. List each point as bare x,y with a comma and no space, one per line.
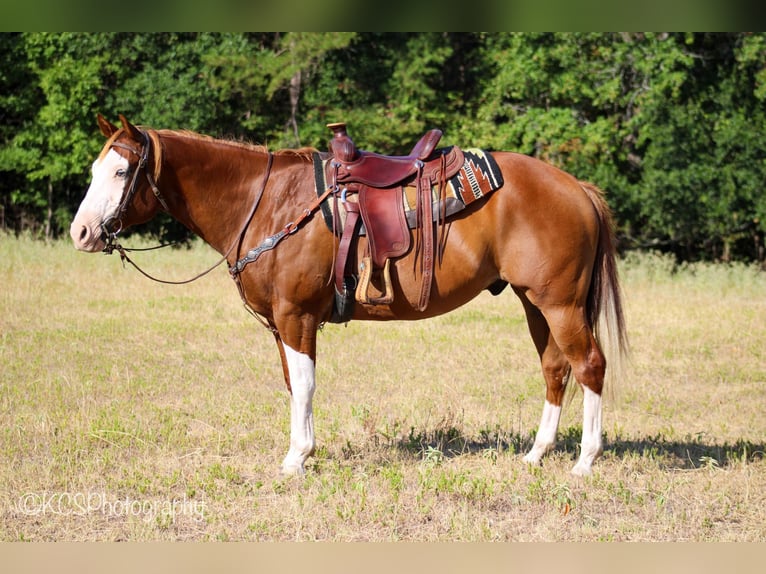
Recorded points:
433,456
394,478
490,454
562,494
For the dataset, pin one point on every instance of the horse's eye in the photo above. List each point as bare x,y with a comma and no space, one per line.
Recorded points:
121,173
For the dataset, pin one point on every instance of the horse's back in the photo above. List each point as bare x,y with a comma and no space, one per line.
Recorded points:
540,190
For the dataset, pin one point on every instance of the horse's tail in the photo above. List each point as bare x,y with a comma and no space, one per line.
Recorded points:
604,305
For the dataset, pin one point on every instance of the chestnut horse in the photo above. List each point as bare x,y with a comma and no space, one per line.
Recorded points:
543,232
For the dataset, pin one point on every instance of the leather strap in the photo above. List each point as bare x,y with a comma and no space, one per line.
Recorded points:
349,232
427,238
272,240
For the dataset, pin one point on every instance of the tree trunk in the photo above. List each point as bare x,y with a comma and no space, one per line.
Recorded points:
295,94
49,213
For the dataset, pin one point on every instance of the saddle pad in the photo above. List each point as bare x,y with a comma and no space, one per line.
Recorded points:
479,176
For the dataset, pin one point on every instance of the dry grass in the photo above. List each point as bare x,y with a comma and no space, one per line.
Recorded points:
137,411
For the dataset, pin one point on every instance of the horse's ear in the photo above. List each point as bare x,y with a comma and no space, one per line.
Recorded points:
132,130
107,127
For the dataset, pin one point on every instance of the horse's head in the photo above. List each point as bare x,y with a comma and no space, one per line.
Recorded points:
122,190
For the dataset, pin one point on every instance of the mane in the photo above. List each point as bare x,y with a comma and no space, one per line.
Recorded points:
303,152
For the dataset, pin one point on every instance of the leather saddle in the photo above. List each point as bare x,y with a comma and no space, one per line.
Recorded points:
370,186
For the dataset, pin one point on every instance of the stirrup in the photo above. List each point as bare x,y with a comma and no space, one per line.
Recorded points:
365,275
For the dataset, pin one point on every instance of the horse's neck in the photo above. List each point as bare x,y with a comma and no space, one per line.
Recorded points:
215,185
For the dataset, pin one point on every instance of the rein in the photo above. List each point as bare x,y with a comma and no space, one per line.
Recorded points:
112,246
124,257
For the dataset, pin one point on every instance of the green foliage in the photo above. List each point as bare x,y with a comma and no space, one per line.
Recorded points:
670,125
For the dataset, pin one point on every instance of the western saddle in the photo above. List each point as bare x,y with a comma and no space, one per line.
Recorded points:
370,186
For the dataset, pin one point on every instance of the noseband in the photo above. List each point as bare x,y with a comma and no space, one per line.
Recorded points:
113,224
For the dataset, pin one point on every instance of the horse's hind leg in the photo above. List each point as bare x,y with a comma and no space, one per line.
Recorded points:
574,337
566,344
556,373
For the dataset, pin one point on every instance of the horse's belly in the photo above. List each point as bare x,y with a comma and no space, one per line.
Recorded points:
464,269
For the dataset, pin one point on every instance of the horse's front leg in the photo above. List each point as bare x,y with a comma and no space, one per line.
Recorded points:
299,370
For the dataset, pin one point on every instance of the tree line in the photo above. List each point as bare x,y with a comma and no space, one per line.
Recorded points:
671,125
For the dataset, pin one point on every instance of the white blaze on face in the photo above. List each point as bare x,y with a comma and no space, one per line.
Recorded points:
101,201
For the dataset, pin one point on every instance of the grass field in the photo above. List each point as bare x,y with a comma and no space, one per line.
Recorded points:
131,410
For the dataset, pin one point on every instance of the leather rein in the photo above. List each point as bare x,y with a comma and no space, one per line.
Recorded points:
111,233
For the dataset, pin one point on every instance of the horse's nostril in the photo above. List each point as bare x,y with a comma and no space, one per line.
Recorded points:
83,233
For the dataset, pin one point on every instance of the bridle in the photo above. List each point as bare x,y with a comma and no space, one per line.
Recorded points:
110,232
108,225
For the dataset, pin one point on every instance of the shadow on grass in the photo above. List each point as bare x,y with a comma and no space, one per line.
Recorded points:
690,453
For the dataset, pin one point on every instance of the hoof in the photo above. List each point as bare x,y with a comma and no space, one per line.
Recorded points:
537,452
289,471
582,470
532,459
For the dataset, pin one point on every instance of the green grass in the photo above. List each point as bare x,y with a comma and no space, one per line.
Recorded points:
131,410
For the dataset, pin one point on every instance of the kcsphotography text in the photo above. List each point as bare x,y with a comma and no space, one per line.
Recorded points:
90,503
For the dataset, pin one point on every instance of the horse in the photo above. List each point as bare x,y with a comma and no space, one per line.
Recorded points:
545,233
